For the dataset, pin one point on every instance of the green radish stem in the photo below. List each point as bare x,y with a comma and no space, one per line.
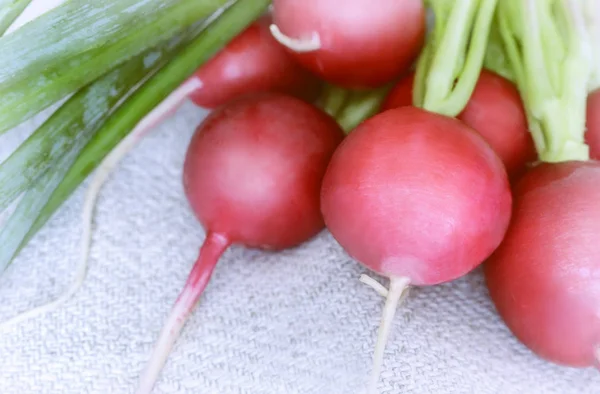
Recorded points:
351,107
449,64
550,50
592,16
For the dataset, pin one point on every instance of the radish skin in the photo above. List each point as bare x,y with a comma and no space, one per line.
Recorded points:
543,279
592,134
252,176
392,202
252,62
347,46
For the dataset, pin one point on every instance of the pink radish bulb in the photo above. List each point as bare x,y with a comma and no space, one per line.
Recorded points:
545,277
252,175
355,44
592,135
495,110
250,63
417,197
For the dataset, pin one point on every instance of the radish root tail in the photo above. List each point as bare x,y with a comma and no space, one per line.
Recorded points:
164,109
394,295
296,44
378,287
212,249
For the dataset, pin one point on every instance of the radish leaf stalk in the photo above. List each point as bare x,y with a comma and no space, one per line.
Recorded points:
449,65
550,51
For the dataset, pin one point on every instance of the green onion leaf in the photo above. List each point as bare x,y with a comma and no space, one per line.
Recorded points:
214,37
10,11
74,44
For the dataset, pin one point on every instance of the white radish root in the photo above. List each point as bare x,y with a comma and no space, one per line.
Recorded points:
296,44
212,249
378,287
394,295
162,111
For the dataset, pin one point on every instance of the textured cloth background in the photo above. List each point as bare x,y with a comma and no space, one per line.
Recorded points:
296,322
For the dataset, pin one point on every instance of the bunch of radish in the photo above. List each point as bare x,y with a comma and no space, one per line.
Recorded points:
451,161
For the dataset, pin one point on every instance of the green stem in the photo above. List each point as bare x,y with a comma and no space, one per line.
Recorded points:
592,13
550,50
360,106
333,98
77,42
74,122
10,11
214,37
496,58
449,66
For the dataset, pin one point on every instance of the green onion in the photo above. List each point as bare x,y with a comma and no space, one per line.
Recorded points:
72,45
40,163
10,11
449,65
213,38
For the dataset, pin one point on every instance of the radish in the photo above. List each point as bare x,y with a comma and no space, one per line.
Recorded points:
543,278
252,175
250,63
495,110
356,45
418,197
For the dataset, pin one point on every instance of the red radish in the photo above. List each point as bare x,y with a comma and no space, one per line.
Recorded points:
592,135
417,197
357,44
495,110
545,277
252,175
252,62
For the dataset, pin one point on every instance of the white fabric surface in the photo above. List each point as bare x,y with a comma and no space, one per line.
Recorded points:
294,322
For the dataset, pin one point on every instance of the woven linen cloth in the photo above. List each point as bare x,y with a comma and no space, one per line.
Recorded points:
296,322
